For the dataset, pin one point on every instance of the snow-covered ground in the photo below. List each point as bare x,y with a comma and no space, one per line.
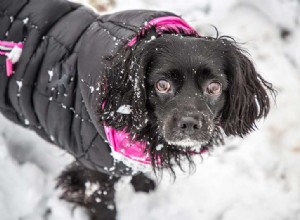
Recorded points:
257,178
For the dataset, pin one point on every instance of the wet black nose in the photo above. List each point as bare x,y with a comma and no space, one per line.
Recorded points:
189,124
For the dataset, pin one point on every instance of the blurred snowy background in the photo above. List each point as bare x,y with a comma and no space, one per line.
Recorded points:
257,178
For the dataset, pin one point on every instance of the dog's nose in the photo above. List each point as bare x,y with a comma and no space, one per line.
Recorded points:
189,124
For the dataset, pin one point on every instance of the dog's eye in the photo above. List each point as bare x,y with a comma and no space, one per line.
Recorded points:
214,88
162,86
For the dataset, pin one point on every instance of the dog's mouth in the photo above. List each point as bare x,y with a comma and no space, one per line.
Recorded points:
193,134
194,142
188,143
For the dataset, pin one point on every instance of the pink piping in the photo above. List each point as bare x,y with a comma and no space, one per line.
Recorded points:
121,143
9,67
11,44
164,23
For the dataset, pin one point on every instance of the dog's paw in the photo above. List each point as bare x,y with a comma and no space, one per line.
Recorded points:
90,189
142,183
72,184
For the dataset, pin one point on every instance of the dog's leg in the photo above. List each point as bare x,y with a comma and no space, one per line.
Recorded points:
90,189
142,183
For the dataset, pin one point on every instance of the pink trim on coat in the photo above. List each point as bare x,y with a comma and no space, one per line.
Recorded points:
9,49
165,23
121,143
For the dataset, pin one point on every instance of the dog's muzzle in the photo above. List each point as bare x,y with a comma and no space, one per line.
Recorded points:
190,130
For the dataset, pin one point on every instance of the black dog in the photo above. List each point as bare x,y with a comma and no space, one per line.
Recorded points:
195,87
78,71
191,89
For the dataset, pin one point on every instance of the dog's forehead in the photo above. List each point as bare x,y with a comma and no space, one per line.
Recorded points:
187,54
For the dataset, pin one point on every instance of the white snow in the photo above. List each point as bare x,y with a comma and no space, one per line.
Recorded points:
25,20
134,165
26,122
52,138
92,89
5,48
255,178
186,143
125,109
90,188
159,147
50,73
20,85
15,54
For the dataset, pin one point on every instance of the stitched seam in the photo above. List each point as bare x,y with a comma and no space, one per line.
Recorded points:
108,32
46,115
6,90
33,26
88,148
87,27
73,101
79,116
36,76
5,13
127,26
81,138
62,105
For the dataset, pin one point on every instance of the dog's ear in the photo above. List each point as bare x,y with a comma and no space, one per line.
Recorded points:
247,97
123,97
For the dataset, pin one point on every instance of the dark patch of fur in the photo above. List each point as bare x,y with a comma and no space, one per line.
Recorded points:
141,183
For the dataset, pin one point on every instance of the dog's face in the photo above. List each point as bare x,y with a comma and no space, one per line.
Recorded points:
186,83
183,92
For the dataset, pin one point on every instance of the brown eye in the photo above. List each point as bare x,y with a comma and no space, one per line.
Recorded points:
162,86
214,88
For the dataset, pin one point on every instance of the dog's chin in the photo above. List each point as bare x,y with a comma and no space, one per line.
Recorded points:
187,143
